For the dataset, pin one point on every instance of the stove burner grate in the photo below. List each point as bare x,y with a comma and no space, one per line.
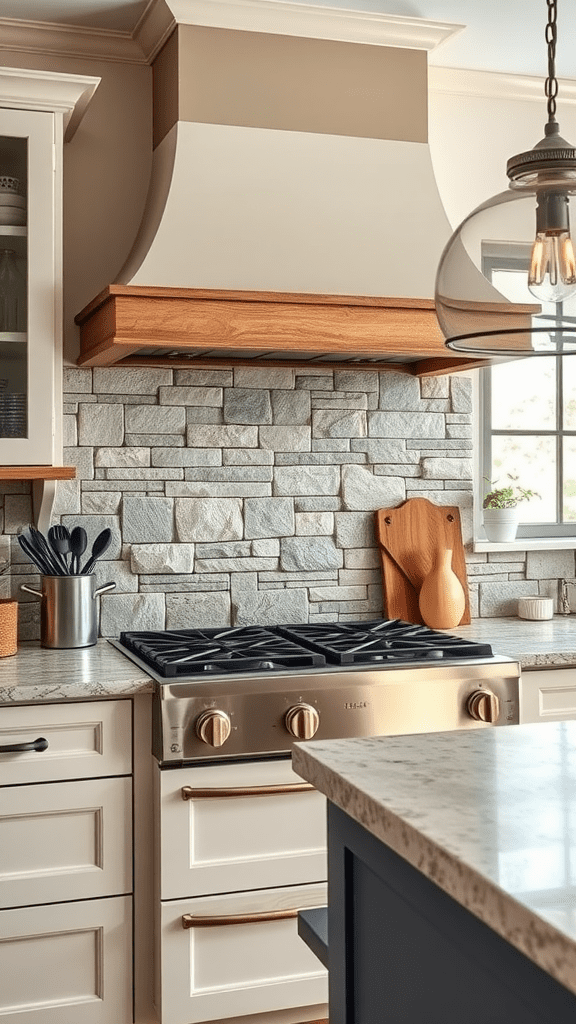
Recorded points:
383,641
184,652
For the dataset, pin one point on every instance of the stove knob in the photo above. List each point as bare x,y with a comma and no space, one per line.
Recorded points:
302,721
484,706
213,727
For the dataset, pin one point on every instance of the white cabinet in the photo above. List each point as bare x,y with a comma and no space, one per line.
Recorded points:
548,695
84,741
214,841
241,849
66,864
240,953
65,841
67,963
38,110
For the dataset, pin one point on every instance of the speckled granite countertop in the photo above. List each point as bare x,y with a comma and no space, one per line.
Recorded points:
36,674
488,815
547,644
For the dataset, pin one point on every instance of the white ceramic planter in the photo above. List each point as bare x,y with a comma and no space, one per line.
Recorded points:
501,523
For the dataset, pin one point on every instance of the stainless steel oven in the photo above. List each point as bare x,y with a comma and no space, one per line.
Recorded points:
241,838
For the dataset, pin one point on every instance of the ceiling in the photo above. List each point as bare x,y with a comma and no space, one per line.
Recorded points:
511,42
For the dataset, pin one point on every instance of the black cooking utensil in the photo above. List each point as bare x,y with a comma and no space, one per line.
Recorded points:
32,553
100,545
78,543
59,540
40,544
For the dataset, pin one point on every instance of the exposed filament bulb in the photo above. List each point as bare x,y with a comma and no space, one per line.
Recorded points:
552,273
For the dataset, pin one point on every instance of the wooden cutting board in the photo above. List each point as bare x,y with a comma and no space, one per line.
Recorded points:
410,538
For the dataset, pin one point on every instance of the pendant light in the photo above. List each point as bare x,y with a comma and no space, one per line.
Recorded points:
506,281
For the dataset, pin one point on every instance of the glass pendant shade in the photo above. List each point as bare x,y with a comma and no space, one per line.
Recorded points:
506,281
506,284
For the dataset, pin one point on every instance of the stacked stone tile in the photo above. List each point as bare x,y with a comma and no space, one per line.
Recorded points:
247,495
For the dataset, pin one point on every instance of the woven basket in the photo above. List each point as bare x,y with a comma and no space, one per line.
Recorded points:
8,627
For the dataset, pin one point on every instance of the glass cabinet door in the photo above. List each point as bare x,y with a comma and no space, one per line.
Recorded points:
27,287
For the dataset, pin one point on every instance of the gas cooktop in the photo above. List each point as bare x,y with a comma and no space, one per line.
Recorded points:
189,653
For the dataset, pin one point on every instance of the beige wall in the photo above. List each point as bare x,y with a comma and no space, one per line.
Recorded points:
106,174
288,83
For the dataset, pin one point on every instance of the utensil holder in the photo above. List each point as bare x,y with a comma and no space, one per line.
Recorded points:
68,612
8,627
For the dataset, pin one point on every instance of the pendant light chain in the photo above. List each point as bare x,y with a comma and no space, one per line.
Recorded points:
551,86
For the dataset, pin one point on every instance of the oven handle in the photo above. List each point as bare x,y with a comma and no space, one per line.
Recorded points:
189,793
197,921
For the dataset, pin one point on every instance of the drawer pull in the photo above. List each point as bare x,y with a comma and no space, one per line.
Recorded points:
193,921
189,793
19,748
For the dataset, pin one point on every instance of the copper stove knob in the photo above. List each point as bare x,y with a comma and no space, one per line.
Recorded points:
302,721
213,727
483,706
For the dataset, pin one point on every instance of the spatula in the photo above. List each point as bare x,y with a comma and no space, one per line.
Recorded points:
78,543
100,545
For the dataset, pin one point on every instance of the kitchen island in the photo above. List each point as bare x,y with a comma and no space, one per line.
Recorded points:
452,892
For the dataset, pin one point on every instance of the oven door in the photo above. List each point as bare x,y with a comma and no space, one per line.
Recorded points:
230,827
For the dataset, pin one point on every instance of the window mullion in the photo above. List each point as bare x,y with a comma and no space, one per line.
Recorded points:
559,437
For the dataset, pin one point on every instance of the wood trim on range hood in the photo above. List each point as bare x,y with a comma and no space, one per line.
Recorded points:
136,325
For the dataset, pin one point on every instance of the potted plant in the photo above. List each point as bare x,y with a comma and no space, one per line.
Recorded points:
500,505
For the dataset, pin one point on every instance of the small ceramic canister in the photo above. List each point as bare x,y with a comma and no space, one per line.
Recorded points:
8,627
535,607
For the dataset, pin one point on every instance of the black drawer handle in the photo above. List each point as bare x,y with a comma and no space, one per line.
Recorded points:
19,748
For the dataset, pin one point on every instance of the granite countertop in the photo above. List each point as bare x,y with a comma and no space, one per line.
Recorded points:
550,643
488,815
36,674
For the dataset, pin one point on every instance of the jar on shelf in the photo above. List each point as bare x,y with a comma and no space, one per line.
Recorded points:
13,297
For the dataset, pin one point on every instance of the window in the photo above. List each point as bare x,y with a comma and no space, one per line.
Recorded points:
528,416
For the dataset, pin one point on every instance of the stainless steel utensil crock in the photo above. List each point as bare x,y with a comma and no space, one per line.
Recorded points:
68,613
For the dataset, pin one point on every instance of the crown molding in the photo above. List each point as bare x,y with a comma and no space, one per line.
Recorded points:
283,18
21,36
69,95
153,28
494,85
271,16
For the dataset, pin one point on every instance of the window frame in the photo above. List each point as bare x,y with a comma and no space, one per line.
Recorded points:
497,256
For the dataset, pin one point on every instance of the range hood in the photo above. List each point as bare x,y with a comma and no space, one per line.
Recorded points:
293,212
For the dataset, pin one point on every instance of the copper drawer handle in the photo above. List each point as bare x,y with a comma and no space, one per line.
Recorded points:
193,921
189,793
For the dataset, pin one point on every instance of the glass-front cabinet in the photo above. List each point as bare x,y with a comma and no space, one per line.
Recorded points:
28,348
38,112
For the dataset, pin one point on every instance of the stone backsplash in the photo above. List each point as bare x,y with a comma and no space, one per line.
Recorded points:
247,495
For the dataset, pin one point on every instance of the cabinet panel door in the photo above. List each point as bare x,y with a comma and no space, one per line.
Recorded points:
214,843
230,969
70,963
84,741
30,349
548,696
65,841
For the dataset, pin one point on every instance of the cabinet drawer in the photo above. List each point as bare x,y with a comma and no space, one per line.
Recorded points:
231,969
212,843
67,964
65,841
84,741
548,696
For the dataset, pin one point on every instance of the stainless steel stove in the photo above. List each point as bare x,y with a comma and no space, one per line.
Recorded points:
250,691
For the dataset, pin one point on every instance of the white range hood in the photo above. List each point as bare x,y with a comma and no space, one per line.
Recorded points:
291,153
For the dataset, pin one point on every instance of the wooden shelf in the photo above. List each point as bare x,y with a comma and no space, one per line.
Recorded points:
43,487
144,326
37,472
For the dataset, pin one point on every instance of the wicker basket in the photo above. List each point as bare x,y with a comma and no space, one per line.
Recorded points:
8,627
